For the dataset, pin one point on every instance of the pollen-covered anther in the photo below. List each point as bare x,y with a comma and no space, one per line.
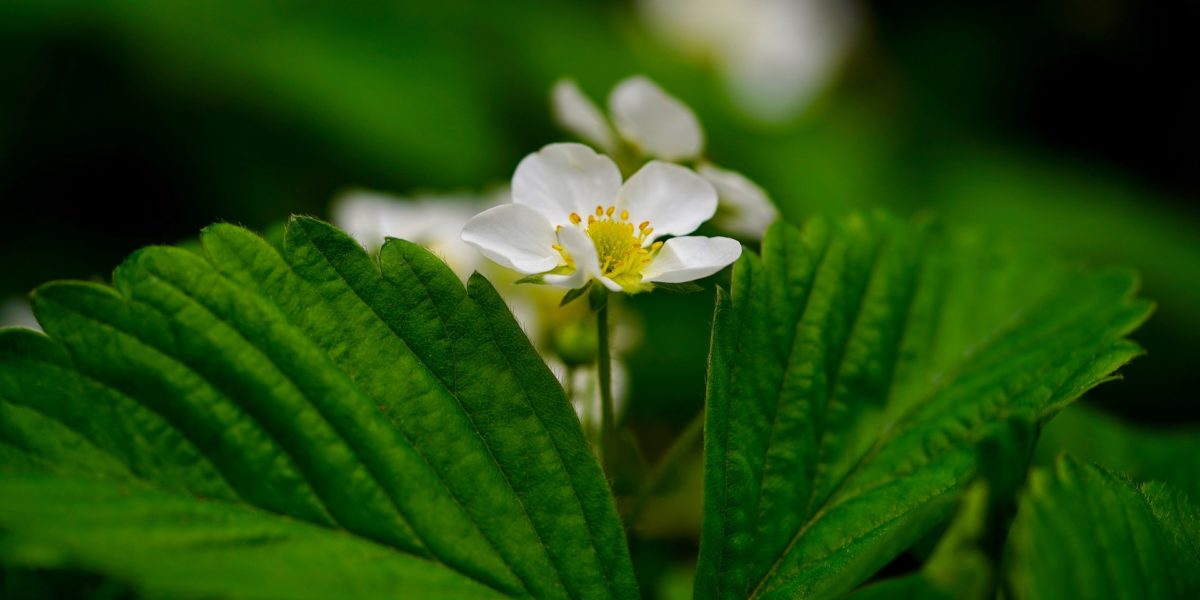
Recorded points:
620,247
575,218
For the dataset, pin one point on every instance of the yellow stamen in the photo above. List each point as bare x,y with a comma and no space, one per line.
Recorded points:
622,250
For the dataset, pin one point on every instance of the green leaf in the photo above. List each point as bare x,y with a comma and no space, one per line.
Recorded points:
572,295
382,403
1084,532
853,369
598,298
687,287
531,279
1170,455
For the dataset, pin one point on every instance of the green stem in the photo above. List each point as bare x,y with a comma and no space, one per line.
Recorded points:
604,368
679,450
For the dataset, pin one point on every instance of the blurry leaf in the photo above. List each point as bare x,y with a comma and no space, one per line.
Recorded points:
854,368
909,587
335,420
1083,532
1143,454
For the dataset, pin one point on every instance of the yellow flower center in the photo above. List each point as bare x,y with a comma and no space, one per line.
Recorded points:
619,245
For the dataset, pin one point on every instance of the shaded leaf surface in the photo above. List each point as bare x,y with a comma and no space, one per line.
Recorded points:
853,369
1084,532
378,400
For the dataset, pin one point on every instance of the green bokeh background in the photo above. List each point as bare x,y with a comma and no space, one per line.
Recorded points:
126,123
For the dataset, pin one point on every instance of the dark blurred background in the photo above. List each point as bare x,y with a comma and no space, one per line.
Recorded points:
1064,123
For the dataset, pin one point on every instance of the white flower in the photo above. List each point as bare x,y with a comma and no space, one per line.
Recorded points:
573,221
433,221
655,123
745,209
584,391
16,312
658,125
775,55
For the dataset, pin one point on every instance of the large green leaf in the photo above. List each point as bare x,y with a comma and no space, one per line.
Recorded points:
854,367
397,413
1084,532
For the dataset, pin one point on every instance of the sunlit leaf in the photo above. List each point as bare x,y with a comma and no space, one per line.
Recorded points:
854,368
301,408
1084,532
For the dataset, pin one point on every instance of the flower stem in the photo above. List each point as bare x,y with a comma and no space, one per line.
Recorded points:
604,368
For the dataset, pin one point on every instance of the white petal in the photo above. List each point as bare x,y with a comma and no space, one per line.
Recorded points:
654,121
585,393
434,221
673,198
16,312
690,258
515,236
610,284
369,217
787,54
744,209
576,113
564,178
583,252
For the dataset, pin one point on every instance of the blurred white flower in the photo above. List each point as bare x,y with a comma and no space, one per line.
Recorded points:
16,312
572,221
433,221
584,391
654,124
775,55
745,210
651,121
576,113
